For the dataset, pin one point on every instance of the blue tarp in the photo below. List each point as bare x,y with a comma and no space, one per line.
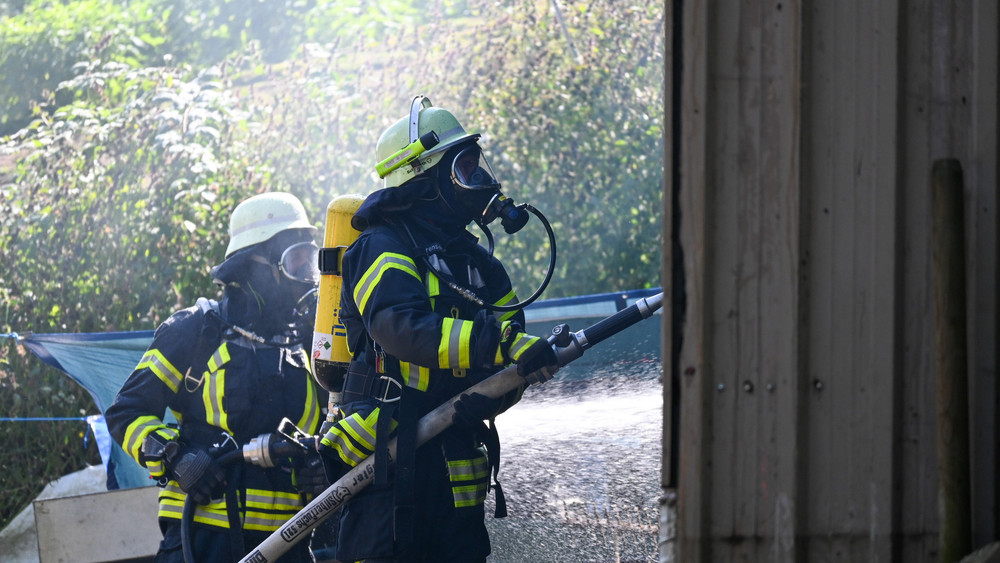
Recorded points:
100,362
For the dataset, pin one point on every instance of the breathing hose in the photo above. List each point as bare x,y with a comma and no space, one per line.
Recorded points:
548,272
468,294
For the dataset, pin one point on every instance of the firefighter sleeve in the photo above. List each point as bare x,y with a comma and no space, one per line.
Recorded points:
151,389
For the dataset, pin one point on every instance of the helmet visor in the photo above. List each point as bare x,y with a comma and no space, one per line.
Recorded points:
471,170
300,262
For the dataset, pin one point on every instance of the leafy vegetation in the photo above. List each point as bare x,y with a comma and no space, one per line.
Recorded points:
144,123
43,44
575,117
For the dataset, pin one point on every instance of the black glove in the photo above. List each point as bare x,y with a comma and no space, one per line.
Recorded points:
195,471
310,476
530,353
473,408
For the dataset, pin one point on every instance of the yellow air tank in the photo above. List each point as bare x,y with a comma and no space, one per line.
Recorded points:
329,350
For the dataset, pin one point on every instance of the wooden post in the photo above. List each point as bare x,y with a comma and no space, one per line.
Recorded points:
951,362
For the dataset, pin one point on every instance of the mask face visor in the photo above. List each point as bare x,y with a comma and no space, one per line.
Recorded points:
471,170
300,262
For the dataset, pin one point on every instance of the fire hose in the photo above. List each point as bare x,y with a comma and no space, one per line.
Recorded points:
568,347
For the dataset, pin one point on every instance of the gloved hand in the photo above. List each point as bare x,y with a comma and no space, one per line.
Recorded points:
473,408
195,471
530,353
333,466
310,476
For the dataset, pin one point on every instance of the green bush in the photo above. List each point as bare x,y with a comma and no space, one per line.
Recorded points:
46,41
42,45
574,115
111,222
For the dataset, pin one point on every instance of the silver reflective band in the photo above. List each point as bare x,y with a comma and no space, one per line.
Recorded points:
300,262
472,171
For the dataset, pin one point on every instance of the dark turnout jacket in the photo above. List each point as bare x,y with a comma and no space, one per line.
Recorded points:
407,319
241,387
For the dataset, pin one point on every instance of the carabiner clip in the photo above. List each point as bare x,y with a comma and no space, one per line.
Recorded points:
389,382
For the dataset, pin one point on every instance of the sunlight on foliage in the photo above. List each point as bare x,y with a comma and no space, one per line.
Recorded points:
132,130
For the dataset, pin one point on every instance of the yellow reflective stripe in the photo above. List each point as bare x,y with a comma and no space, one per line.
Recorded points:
506,298
256,498
521,343
468,469
474,474
363,429
404,370
156,468
422,379
137,432
511,296
445,342
433,285
173,491
464,359
273,508
469,495
274,500
505,316
175,509
172,506
219,358
264,522
469,474
265,510
505,333
373,275
211,518
212,396
215,388
353,437
453,351
155,362
310,413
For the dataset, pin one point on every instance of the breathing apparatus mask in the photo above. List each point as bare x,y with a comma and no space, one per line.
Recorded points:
271,287
478,191
299,263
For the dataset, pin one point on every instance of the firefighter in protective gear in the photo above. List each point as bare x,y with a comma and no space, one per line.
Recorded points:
414,287
229,371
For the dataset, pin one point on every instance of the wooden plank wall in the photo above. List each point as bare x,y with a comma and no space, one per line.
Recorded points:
808,130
